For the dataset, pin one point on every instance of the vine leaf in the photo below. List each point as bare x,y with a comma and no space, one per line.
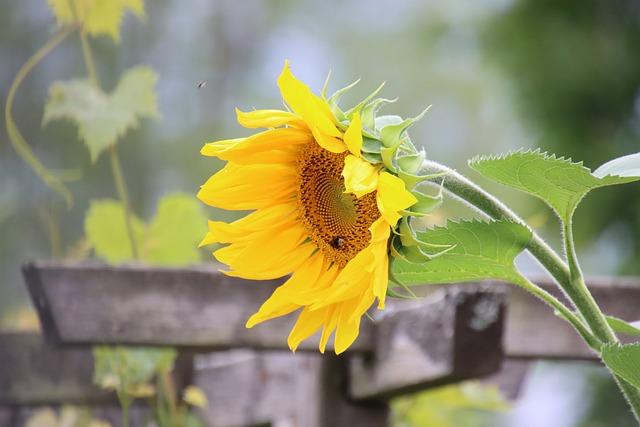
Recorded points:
481,250
558,181
106,231
624,361
97,17
175,231
171,238
102,118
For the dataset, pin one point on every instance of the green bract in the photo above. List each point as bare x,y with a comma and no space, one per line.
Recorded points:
387,143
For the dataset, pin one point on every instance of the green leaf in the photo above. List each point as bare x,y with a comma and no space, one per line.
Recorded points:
171,239
480,250
557,181
623,326
103,118
621,166
106,231
469,403
126,368
97,17
175,231
624,361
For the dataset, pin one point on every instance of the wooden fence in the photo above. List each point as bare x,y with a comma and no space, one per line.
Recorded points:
456,332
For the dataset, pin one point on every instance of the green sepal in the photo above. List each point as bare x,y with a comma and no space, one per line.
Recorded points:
372,158
411,254
425,204
388,154
411,180
405,245
409,238
371,145
369,111
333,100
387,120
411,163
416,254
393,294
364,102
391,134
393,279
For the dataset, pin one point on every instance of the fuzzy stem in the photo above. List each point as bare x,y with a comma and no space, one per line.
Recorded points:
469,192
585,302
568,276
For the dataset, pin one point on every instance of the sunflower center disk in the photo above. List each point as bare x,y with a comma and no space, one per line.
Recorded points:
337,222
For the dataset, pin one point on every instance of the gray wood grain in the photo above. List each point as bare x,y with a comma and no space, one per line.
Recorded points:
533,331
281,389
199,307
32,372
454,335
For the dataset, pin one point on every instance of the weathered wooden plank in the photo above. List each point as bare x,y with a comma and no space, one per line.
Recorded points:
281,389
31,373
198,307
533,331
454,335
34,373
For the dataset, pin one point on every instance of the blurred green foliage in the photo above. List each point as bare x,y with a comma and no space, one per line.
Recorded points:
468,404
574,67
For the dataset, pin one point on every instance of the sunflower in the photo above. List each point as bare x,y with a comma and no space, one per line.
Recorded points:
322,211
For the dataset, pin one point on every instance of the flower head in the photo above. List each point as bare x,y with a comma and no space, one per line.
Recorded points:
326,195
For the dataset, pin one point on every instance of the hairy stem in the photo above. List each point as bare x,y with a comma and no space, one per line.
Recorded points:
585,302
567,314
568,276
467,191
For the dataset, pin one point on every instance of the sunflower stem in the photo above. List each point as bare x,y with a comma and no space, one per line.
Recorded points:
476,197
568,276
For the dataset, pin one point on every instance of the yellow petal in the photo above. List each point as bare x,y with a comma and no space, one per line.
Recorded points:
360,176
243,150
277,305
265,118
332,315
353,135
259,220
313,110
308,323
283,300
347,330
392,197
248,187
329,143
279,249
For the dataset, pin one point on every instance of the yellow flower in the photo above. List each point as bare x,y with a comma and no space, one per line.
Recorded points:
321,213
